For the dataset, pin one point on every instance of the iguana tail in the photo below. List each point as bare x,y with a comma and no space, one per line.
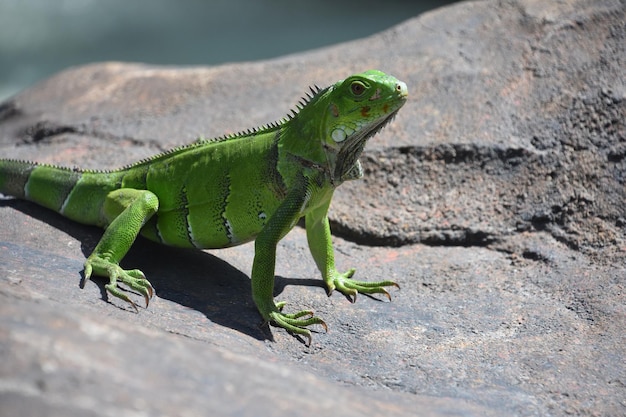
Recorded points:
56,188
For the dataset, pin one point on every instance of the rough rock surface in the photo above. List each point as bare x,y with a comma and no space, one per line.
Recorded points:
496,199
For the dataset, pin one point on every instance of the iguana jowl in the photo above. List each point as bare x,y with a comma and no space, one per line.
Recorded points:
227,191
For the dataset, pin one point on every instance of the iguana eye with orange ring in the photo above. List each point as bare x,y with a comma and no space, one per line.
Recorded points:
357,88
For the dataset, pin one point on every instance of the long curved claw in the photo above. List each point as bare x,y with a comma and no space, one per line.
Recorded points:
115,291
136,280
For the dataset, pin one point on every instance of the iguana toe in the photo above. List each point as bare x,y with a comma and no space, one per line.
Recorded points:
133,278
293,323
350,287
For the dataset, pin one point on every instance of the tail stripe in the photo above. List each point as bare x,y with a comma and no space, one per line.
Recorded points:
50,186
14,176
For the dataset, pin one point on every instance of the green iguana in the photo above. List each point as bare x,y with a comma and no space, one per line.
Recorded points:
227,191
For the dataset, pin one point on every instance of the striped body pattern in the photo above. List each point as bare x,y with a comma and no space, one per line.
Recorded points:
227,191
201,204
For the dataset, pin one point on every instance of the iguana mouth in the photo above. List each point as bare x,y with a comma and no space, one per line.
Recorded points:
353,146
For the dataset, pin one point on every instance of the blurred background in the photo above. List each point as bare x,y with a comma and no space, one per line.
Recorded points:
41,37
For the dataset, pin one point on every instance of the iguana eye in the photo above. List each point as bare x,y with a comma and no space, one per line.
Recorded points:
357,88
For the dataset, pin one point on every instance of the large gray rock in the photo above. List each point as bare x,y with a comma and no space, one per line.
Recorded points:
496,199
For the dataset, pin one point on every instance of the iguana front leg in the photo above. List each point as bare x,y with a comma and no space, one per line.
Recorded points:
321,247
127,211
263,267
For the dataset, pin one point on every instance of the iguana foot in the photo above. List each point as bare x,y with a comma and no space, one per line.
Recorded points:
350,287
293,323
133,278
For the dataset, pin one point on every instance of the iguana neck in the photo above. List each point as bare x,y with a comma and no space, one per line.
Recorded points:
305,137
301,138
347,164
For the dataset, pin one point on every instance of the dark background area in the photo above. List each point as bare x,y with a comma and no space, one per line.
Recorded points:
41,37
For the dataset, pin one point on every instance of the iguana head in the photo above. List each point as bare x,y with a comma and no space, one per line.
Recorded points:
331,126
358,107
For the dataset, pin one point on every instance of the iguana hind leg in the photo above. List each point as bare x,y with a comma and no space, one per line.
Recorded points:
127,210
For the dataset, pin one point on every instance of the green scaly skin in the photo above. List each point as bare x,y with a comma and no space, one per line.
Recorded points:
227,191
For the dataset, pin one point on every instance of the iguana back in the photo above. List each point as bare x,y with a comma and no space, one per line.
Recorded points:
198,186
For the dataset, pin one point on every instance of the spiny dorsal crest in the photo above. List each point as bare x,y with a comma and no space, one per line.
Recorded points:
314,92
310,95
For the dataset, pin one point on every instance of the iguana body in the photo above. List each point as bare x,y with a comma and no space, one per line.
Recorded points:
227,191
